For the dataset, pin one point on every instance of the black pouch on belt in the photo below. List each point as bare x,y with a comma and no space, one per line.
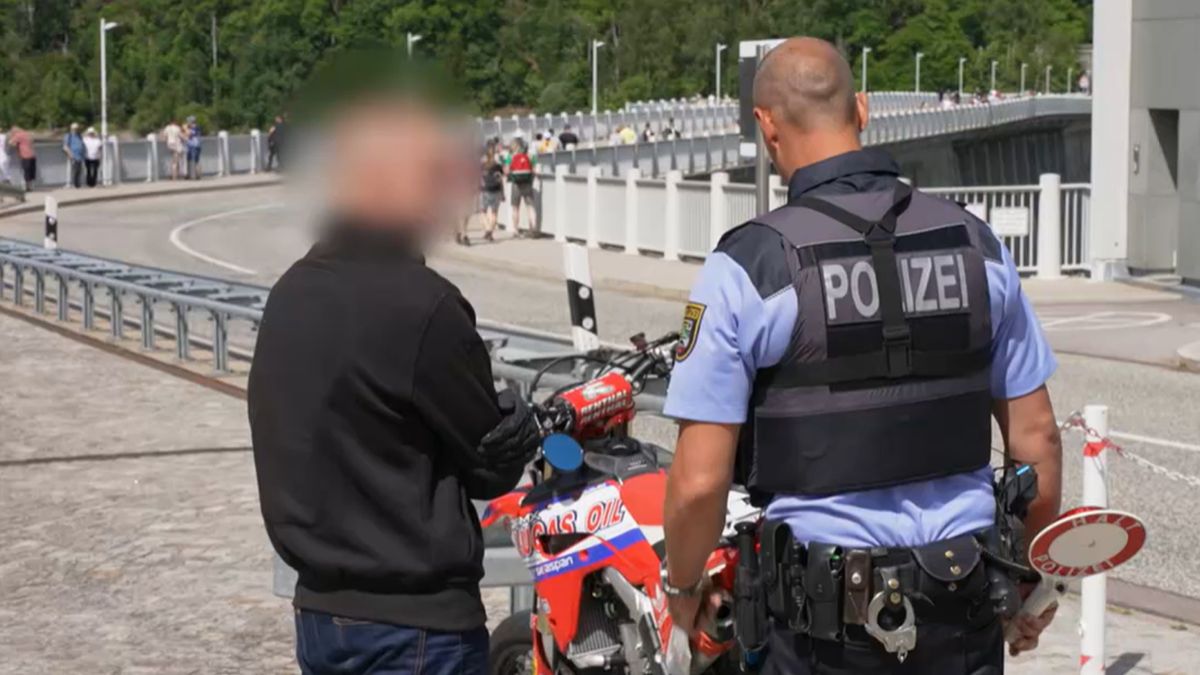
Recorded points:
952,573
823,586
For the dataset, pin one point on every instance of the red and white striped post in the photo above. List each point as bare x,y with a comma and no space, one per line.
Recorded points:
1094,589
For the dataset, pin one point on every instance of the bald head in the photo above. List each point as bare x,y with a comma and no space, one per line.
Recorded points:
805,82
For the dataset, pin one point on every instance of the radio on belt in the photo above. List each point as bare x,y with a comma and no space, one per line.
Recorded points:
600,405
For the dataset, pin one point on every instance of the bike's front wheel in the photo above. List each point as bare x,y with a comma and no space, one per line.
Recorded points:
511,650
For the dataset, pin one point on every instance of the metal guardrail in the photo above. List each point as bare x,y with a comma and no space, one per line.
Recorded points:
107,289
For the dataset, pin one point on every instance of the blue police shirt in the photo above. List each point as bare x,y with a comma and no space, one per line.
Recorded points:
746,325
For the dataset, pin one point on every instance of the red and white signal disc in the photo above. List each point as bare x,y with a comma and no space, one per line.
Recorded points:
1087,541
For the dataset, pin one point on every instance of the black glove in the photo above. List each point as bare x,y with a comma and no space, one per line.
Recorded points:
516,438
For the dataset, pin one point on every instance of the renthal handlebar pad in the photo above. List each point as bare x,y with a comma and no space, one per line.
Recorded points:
600,404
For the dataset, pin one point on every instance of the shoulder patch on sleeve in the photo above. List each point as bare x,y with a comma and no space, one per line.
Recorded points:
693,314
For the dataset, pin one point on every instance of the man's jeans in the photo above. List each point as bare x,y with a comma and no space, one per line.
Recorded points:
330,645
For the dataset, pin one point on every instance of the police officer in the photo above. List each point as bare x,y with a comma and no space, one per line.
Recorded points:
844,356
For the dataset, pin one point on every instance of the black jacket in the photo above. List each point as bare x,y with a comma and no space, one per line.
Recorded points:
368,395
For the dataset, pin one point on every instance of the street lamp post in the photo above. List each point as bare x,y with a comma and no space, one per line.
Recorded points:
920,55
413,39
720,48
865,51
596,45
105,26
1070,72
1023,67
993,87
1048,79
961,61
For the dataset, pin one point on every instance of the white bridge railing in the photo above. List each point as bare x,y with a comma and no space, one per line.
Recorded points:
677,218
703,147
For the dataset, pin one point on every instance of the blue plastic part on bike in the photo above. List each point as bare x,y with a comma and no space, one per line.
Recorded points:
562,452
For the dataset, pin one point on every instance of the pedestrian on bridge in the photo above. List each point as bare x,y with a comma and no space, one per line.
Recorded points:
93,149
372,404
194,138
173,136
75,151
23,142
843,356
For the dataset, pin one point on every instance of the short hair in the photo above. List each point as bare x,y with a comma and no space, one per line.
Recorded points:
808,83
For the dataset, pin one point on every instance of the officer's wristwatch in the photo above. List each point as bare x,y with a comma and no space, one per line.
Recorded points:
677,592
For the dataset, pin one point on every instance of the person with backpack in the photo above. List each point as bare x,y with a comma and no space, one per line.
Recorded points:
491,192
192,130
520,172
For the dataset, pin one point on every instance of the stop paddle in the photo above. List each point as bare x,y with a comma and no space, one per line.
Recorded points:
1082,542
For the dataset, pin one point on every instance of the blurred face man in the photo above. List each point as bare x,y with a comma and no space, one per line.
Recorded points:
398,167
805,104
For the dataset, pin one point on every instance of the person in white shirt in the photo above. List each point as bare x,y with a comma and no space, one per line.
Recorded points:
5,177
93,149
173,135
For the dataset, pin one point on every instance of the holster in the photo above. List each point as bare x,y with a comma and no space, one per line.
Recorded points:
782,572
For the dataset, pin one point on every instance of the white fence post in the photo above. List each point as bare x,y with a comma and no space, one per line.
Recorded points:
224,161
255,151
560,203
593,208
631,210
671,221
717,207
1049,238
112,159
1094,588
774,183
151,158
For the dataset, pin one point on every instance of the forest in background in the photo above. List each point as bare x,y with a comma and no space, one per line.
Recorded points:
511,55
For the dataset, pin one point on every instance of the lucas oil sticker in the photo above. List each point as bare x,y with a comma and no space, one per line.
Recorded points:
692,315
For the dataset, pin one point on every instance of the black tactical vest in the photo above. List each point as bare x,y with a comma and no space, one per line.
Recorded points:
886,379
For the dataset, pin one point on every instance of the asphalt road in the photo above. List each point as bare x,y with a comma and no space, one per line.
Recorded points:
255,234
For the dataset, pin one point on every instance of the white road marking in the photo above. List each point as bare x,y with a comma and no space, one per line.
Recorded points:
1103,321
177,240
1150,440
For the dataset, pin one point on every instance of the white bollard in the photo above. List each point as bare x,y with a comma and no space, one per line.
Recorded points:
631,210
580,297
717,208
50,240
1049,237
671,219
592,207
1094,589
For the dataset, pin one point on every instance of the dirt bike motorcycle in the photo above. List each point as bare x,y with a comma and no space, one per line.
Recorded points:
589,526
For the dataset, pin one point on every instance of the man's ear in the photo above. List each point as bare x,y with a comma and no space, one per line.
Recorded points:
766,126
861,109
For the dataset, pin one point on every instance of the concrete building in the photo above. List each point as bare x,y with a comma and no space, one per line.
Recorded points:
1146,138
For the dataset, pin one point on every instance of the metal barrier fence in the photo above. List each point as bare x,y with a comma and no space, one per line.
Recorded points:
677,218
